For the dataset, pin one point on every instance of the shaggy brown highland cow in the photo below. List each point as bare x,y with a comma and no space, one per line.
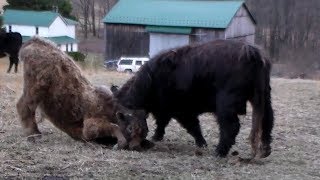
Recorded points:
55,83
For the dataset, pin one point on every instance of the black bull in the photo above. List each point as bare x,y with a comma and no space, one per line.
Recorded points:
219,77
10,43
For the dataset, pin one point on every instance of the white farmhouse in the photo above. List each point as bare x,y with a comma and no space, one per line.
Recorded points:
47,24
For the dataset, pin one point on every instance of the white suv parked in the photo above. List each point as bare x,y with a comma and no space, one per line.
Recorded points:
131,64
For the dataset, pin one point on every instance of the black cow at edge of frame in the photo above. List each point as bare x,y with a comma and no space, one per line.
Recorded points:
218,77
10,43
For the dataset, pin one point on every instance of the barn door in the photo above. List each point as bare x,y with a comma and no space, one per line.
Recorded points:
161,42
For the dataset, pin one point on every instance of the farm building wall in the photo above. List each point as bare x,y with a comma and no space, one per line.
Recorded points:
25,30
71,47
125,40
241,27
71,31
58,28
160,42
201,35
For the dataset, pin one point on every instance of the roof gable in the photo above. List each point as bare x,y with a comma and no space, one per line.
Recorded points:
70,21
186,13
33,18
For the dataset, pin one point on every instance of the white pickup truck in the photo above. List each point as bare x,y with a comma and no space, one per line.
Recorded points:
131,64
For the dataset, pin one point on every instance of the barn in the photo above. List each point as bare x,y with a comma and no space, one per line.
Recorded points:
146,27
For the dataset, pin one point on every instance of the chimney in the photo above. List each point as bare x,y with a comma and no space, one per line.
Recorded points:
55,9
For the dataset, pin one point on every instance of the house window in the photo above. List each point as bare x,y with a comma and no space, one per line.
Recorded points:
37,30
67,47
10,28
71,46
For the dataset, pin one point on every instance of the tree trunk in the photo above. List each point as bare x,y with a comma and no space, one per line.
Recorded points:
93,18
85,11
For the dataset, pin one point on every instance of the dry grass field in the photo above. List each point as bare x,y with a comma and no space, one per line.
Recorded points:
296,146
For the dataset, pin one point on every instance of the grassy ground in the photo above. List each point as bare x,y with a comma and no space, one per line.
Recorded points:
296,146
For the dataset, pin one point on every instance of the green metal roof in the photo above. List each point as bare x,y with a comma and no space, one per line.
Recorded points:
185,13
168,29
32,18
57,40
70,21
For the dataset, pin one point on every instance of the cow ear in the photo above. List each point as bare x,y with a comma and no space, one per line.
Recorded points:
120,116
114,88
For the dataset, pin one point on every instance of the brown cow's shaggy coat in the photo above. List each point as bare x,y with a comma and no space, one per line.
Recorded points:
55,83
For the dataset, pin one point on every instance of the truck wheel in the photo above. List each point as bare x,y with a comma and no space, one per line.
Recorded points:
128,71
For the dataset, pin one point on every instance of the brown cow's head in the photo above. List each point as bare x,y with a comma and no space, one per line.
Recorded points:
134,127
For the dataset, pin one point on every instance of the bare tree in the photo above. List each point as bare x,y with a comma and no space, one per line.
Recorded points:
93,17
90,14
102,6
82,12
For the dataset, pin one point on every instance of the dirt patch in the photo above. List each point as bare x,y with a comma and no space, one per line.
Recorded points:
296,146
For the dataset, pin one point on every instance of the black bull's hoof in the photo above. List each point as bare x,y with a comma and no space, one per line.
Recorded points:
144,145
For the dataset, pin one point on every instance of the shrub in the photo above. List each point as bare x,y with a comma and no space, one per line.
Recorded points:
77,56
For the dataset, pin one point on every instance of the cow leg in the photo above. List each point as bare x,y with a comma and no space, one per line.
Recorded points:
229,128
228,123
14,60
94,128
161,122
10,65
16,67
26,108
192,125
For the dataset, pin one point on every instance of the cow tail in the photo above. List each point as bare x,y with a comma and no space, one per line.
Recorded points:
262,113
